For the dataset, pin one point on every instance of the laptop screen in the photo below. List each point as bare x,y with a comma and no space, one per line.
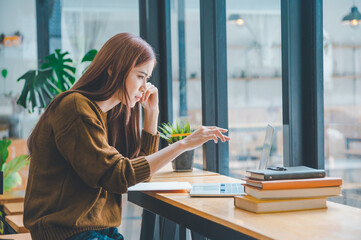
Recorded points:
263,163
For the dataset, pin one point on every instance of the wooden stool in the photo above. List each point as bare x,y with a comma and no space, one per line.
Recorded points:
16,222
21,236
14,208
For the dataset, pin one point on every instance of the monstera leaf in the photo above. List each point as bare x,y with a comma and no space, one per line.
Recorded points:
89,56
38,89
63,76
56,75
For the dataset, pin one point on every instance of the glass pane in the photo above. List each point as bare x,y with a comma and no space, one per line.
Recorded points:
186,66
18,54
87,25
342,101
254,82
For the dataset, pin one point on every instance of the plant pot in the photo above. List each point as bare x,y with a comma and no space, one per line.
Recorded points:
184,162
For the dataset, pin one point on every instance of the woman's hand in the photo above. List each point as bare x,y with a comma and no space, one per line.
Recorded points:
158,159
149,102
204,134
149,99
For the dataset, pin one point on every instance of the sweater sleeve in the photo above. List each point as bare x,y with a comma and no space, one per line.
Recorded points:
83,143
149,143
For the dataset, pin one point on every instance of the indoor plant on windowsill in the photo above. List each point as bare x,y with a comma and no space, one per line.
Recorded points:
169,132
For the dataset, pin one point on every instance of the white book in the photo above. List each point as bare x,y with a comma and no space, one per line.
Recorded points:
161,186
292,193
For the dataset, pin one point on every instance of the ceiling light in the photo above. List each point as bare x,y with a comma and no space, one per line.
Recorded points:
236,18
353,18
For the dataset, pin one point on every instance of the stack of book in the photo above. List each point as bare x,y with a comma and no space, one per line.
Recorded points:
287,189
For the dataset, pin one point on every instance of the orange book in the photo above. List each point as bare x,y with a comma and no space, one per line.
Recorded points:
295,183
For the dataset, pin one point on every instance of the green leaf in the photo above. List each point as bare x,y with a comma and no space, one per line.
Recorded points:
89,56
11,181
4,73
33,93
163,131
15,165
11,169
187,127
168,129
63,71
4,153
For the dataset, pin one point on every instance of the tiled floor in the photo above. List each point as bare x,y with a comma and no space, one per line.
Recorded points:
131,220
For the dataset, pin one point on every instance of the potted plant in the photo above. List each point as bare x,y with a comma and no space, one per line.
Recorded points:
10,170
173,133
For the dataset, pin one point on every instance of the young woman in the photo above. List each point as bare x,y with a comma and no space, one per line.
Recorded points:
87,148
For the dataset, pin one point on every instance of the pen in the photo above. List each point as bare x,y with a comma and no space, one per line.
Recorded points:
179,135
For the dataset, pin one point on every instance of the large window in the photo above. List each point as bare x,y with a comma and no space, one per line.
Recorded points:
186,66
87,25
16,58
342,102
254,82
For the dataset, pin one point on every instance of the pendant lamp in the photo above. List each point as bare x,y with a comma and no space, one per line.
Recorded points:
353,18
236,18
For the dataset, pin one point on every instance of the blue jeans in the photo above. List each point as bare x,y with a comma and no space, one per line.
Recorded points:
106,234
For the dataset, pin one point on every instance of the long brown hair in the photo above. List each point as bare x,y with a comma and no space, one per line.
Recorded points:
120,54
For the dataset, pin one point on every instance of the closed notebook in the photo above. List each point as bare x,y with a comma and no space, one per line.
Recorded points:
252,204
292,193
162,187
286,173
294,183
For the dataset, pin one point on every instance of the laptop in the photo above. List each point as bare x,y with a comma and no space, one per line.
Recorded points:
233,189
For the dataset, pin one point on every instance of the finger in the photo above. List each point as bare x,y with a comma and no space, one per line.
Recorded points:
214,137
146,95
142,98
220,129
223,129
153,89
219,134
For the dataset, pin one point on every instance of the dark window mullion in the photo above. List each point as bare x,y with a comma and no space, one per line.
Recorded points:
214,80
43,9
155,29
302,82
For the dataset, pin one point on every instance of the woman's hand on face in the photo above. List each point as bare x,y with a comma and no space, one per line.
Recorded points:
149,99
203,135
